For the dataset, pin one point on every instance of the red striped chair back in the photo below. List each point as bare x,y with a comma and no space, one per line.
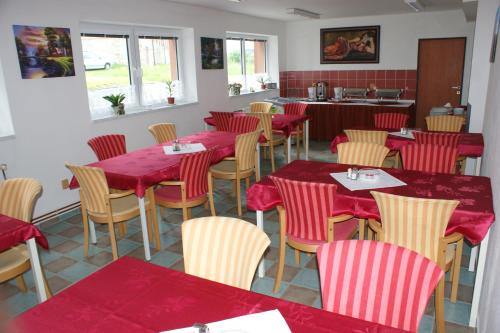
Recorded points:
107,146
308,206
194,173
429,158
243,124
295,109
222,120
390,120
441,139
376,282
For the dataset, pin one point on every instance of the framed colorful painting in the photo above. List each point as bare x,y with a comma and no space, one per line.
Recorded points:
350,45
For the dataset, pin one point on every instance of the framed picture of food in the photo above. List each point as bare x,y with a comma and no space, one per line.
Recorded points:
350,45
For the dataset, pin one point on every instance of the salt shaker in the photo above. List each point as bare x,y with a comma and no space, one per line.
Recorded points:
404,130
176,146
349,173
354,174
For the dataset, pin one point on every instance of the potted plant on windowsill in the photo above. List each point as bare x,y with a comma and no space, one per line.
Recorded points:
235,88
262,82
116,103
170,88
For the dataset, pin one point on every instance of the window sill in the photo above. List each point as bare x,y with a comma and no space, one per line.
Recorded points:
7,137
135,111
244,93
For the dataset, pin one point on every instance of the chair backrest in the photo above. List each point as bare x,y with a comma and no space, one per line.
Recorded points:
362,153
246,148
378,137
377,282
308,207
243,124
260,107
163,132
194,173
415,223
107,146
265,123
445,123
390,120
441,139
223,249
295,109
93,187
18,196
222,120
429,158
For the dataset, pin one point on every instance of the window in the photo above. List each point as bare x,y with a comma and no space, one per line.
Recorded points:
133,61
6,127
247,61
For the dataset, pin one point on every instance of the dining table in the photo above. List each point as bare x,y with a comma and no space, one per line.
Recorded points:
130,295
141,169
283,123
14,232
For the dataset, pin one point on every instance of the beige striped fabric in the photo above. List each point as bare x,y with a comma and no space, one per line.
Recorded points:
93,187
445,123
246,145
414,223
163,132
377,137
223,249
18,196
265,124
362,153
260,107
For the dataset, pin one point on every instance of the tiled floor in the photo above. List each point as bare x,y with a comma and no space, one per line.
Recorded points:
64,263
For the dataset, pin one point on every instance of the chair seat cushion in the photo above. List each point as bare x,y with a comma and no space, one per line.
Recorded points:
128,205
13,257
226,166
172,194
341,231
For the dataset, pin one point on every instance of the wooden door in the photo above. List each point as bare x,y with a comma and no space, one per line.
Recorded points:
439,74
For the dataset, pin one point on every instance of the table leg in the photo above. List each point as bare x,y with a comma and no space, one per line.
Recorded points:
478,283
306,143
257,163
260,224
93,238
289,149
473,253
37,270
144,227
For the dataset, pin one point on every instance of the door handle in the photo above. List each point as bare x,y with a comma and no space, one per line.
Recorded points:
455,87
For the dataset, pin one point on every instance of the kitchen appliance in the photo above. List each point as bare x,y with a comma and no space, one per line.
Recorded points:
338,92
311,92
321,90
355,92
388,93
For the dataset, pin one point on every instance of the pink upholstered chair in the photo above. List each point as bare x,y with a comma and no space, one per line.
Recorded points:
243,124
222,120
377,282
192,189
296,109
387,120
307,219
441,139
107,146
429,158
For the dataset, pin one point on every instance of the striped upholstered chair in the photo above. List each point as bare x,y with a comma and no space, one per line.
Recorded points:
307,221
378,137
243,124
223,249
420,225
445,123
222,120
241,166
377,282
163,132
260,107
17,199
441,139
192,189
429,158
107,146
362,153
387,120
296,109
273,139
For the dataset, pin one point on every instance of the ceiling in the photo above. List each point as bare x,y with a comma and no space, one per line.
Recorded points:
276,9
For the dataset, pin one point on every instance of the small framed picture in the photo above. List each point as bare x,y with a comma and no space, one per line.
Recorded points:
212,53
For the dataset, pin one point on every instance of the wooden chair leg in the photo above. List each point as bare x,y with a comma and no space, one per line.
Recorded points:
205,205
122,230
247,183
297,257
439,305
189,213
281,264
211,193
457,261
85,221
162,211
361,228
21,284
234,186
370,234
238,196
185,215
154,217
112,238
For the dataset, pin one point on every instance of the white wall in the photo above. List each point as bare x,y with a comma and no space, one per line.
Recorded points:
51,116
398,43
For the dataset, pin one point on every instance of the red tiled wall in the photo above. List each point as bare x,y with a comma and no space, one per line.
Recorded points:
295,83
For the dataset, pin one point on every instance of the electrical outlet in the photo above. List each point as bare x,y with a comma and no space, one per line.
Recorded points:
65,183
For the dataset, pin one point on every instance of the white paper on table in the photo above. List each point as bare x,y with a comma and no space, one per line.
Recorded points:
263,322
382,180
408,135
185,148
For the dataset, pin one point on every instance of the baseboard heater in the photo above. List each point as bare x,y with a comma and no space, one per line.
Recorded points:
56,213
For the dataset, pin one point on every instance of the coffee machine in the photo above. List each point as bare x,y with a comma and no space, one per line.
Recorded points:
321,90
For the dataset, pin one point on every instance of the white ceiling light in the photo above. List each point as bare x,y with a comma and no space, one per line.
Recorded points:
237,1
302,12
416,5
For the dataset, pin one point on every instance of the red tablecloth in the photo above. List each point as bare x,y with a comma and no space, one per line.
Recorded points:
145,167
14,232
472,218
469,144
281,122
133,296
